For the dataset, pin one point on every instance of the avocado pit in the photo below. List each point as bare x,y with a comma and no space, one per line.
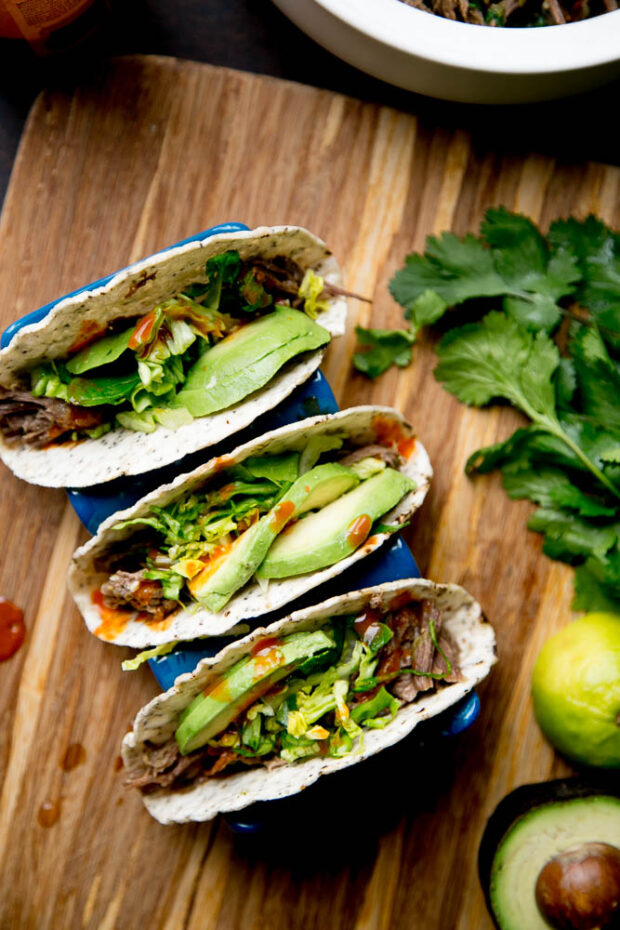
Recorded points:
579,889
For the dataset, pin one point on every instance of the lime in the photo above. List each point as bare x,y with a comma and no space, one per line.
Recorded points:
576,690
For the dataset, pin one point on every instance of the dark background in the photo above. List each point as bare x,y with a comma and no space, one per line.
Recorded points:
253,35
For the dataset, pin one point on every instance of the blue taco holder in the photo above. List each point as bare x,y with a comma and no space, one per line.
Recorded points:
392,562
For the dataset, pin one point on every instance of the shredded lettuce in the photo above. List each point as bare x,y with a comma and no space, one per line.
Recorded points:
314,449
130,665
283,469
368,467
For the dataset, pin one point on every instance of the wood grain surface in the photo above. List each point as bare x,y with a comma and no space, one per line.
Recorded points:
154,151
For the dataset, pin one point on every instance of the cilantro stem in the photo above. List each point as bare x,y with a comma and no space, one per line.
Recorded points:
559,432
553,426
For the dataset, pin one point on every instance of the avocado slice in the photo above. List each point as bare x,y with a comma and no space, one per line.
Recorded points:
244,683
315,488
247,359
337,530
531,826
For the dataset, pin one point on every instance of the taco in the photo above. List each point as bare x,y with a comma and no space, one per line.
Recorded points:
311,694
248,532
172,355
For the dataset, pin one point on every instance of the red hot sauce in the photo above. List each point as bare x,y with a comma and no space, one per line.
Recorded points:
12,629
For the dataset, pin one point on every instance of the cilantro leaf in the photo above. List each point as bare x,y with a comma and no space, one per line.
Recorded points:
529,444
590,593
382,348
551,488
523,258
598,377
498,359
565,382
605,572
568,537
597,252
512,260
456,269
426,309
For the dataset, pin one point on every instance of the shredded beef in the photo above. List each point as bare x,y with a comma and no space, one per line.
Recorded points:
412,647
450,650
165,767
389,456
286,278
38,421
516,12
132,589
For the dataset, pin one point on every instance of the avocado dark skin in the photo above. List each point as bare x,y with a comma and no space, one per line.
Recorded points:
521,802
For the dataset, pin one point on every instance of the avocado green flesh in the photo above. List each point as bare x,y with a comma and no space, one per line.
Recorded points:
536,838
317,487
244,683
328,535
247,359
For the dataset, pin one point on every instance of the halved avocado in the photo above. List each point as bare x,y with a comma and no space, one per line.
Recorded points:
533,826
241,685
337,530
315,488
247,359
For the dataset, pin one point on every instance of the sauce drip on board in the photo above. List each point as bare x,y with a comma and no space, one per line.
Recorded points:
48,814
12,629
74,755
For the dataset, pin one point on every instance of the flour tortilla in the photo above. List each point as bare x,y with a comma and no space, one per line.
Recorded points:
360,425
157,721
133,292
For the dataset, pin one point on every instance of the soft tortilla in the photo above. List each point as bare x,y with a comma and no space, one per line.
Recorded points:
362,425
157,721
131,293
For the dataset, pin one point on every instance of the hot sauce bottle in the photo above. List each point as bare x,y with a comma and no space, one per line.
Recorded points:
51,25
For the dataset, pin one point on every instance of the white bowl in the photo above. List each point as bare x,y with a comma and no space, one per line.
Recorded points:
458,61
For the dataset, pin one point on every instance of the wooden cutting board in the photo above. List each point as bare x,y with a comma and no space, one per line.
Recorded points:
154,151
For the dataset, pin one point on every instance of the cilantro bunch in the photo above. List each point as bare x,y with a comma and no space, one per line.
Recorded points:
551,351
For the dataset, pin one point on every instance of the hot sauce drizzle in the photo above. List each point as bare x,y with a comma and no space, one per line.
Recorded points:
267,656
220,691
358,530
89,331
282,514
370,618
391,433
113,621
142,332
12,629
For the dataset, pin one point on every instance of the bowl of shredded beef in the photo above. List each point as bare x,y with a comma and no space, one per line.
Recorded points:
474,51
